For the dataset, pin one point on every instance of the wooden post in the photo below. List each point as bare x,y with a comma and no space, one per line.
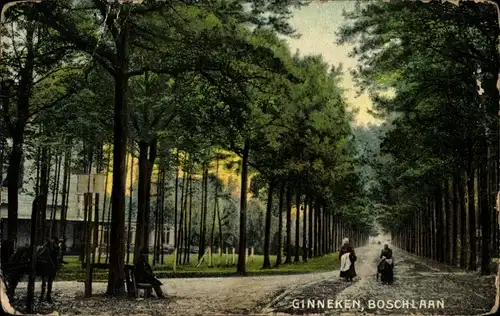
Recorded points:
88,241
207,252
246,257
234,257
210,258
252,254
175,259
219,251
227,256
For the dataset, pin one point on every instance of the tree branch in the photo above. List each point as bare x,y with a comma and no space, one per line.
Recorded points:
52,104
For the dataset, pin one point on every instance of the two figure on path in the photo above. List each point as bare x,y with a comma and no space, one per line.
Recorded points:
347,260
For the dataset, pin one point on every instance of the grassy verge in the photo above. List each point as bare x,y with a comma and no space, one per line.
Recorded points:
73,271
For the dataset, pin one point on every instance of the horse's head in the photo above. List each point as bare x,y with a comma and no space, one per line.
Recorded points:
56,251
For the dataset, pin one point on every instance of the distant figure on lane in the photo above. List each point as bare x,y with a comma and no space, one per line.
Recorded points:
347,259
386,265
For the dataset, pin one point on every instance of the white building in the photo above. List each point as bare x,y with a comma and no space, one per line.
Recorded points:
75,219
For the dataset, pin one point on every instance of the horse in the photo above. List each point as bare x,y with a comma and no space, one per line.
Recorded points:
49,259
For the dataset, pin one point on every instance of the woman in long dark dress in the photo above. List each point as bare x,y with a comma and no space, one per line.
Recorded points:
350,273
387,273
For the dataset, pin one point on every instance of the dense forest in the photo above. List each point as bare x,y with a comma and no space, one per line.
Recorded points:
179,89
432,70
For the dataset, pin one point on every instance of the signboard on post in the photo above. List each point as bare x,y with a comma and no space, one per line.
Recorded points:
96,183
84,185
87,185
99,183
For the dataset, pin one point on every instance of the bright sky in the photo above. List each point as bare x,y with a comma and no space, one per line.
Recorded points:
317,23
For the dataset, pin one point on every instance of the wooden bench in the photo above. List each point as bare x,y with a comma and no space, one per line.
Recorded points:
129,279
134,287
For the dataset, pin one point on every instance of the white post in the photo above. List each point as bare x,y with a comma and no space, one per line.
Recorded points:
175,258
234,257
227,256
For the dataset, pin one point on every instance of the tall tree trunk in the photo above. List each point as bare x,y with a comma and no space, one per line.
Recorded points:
87,209
439,223
13,180
185,229
484,214
157,233
243,209
447,214
64,193
141,201
316,230
16,126
492,190
130,202
267,229
181,215
324,230
99,168
288,247
201,248
297,226
463,221
217,189
280,223
176,200
185,205
44,192
55,195
311,230
149,177
456,218
116,276
67,185
432,209
472,218
304,233
162,214
214,215
35,216
190,216
205,209
187,225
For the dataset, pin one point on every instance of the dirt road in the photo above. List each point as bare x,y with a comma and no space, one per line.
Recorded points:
421,287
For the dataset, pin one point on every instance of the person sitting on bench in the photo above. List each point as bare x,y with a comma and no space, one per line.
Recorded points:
144,274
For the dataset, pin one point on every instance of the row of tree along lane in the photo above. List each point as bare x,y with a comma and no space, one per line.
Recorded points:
167,93
432,69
